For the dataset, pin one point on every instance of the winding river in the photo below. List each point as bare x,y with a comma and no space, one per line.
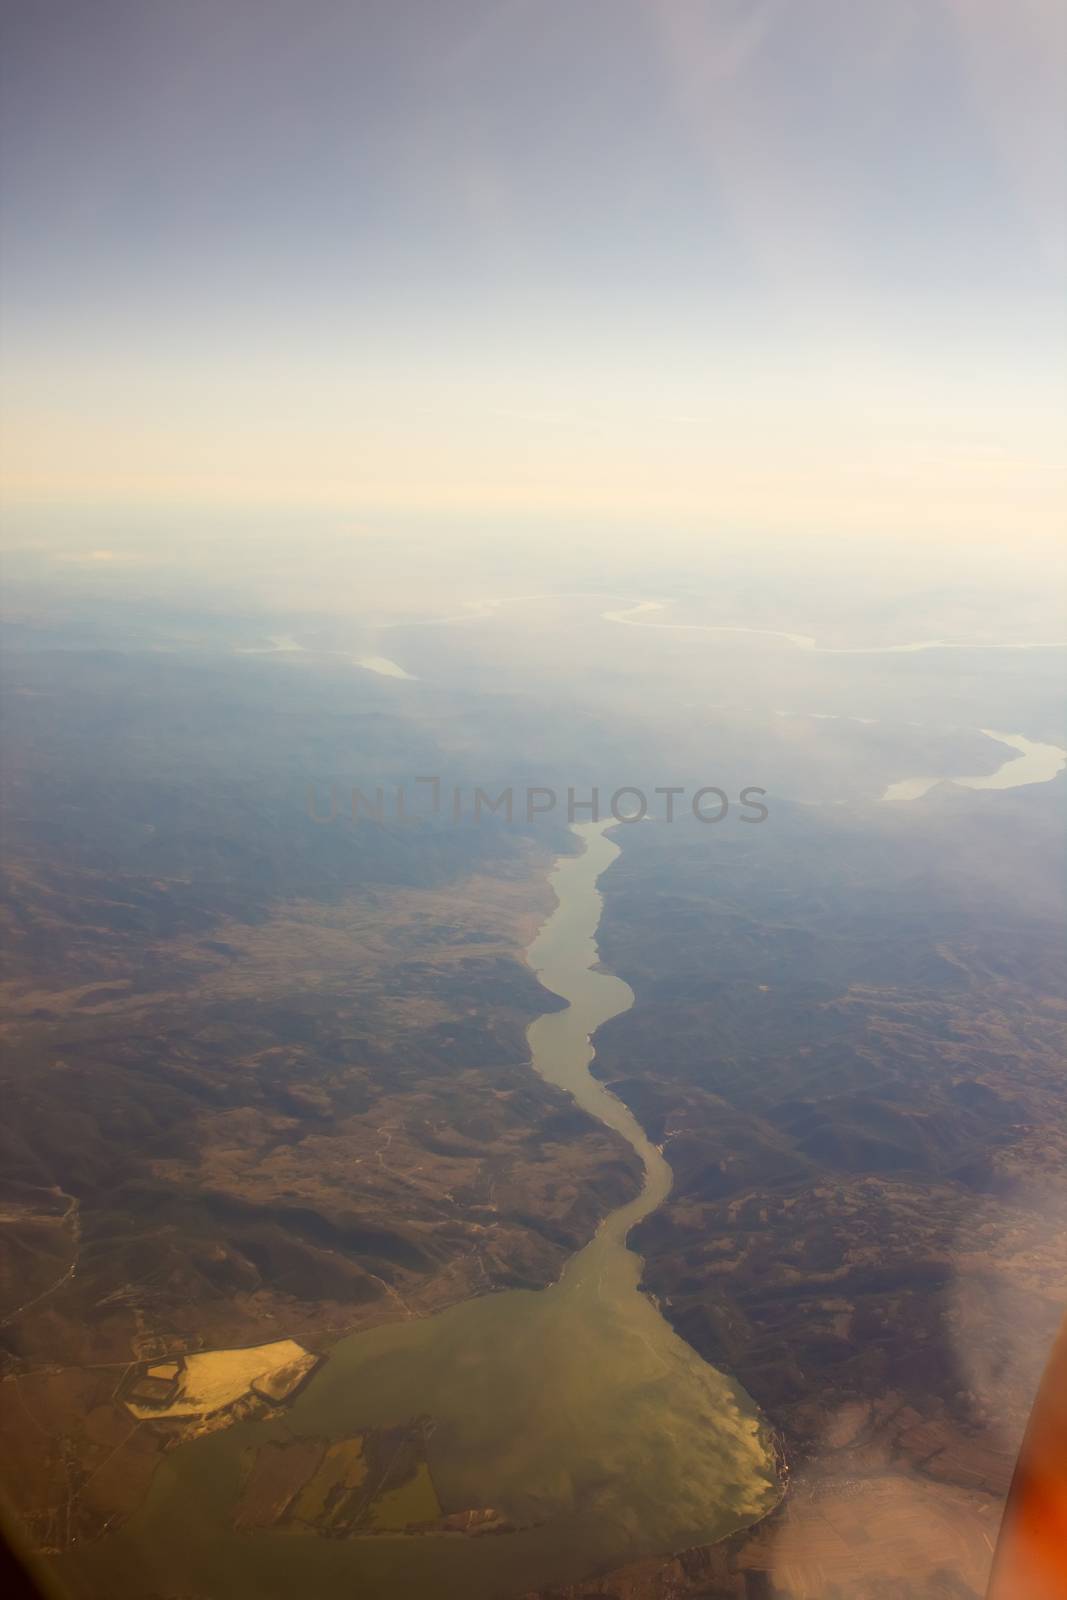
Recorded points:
1031,763
575,1411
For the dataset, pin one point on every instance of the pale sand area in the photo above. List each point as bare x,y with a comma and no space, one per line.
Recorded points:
214,1379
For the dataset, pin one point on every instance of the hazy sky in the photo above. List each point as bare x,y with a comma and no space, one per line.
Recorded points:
787,263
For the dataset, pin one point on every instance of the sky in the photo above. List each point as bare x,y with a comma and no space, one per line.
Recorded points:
794,265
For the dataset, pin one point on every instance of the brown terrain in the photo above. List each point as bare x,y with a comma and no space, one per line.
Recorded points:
267,1081
858,1080
260,1084
393,1155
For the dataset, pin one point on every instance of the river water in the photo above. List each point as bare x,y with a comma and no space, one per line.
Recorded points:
576,1411
1032,763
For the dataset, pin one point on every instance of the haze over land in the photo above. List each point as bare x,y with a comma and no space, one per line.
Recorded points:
278,1063
416,399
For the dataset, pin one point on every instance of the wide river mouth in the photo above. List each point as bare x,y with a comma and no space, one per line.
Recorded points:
575,1411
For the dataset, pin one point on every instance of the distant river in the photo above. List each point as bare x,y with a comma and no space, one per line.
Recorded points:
636,616
384,666
1033,763
575,1410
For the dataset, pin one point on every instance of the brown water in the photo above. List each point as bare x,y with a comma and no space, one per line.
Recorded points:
574,1410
